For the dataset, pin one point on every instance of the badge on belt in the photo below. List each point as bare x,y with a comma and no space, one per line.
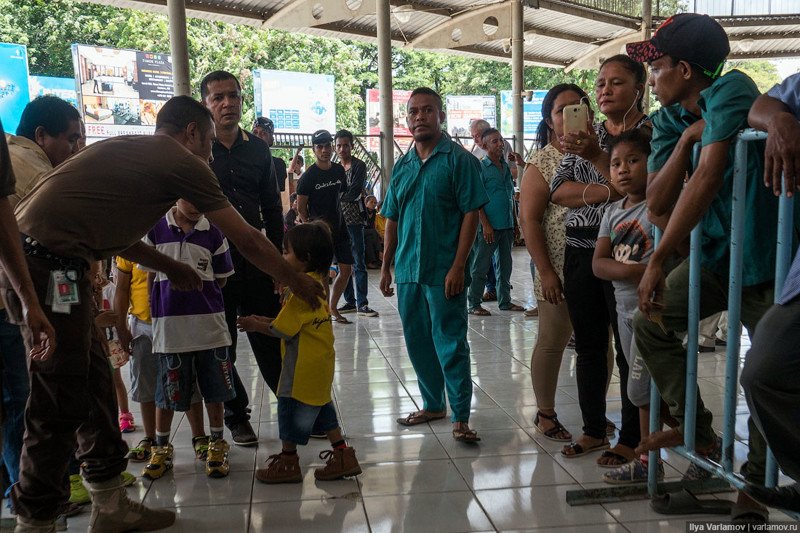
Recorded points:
62,291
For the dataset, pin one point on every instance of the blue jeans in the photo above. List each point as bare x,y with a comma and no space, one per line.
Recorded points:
16,390
359,269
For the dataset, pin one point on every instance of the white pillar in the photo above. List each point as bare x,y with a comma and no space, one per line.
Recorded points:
517,75
179,47
385,89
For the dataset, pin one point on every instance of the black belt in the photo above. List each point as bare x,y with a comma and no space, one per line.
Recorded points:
74,267
583,232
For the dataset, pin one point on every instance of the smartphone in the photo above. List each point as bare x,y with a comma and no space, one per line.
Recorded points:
575,118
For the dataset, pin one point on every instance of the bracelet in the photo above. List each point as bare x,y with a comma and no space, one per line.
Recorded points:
608,199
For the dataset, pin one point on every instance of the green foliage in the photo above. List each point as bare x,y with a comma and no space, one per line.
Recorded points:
49,27
764,73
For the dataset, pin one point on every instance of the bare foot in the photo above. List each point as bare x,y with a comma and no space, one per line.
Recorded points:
609,457
660,439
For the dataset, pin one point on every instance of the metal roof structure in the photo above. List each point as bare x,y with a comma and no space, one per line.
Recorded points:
558,33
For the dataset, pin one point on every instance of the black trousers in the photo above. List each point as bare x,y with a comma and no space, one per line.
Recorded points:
592,308
253,296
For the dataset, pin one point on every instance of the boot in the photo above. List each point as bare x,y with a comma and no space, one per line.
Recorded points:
114,512
341,463
281,469
31,525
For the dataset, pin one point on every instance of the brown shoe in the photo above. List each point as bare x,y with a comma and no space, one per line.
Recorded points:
341,463
281,469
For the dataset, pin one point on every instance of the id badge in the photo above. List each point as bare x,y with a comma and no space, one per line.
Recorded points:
62,291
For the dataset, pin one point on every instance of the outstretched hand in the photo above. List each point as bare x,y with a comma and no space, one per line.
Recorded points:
307,289
182,277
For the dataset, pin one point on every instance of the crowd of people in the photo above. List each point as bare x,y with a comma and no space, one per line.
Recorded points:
203,250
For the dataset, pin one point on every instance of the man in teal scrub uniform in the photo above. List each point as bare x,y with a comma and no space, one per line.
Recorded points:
431,211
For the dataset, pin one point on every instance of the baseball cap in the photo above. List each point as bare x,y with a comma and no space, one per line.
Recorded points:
697,39
264,122
321,137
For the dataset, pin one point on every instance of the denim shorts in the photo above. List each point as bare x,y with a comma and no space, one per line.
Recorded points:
144,363
296,419
180,374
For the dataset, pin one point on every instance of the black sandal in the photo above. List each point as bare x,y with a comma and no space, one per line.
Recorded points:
555,430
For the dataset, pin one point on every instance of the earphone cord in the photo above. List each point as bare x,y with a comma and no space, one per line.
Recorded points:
629,110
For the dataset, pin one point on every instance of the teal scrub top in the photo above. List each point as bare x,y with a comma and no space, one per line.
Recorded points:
500,188
428,200
724,106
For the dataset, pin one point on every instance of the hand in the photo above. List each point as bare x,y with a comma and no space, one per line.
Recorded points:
386,282
106,318
488,233
125,338
308,290
182,277
253,323
582,143
651,289
516,159
552,290
694,133
454,282
782,154
42,333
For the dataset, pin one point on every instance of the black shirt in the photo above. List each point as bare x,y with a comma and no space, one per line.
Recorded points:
247,177
322,188
280,171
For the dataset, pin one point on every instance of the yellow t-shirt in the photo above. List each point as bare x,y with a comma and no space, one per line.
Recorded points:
140,301
307,350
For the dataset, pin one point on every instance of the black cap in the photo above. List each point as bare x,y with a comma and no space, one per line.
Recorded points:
321,137
698,39
264,122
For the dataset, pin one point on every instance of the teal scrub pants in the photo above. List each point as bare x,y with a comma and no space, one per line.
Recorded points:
435,329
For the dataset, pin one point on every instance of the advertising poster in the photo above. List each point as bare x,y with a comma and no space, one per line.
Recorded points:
120,91
462,110
63,88
399,105
297,102
531,112
13,84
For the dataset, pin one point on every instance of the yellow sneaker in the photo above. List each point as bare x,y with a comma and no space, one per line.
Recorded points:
160,461
217,461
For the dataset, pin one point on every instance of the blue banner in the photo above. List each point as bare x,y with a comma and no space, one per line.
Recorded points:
13,84
531,112
64,88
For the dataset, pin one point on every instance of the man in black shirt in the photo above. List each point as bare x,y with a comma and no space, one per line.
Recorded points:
244,166
264,129
318,192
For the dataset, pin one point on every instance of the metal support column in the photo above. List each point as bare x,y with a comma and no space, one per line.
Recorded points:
385,90
517,75
179,47
647,25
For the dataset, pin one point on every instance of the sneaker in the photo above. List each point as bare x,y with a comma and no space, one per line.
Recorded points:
318,435
281,469
78,493
126,422
366,311
200,445
341,463
141,452
160,461
347,308
128,479
242,434
697,473
217,462
633,472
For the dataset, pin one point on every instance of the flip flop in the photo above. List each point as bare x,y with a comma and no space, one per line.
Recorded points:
470,436
684,502
341,320
414,419
580,451
479,311
514,307
614,455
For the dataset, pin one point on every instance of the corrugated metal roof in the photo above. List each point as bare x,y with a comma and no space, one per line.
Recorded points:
558,32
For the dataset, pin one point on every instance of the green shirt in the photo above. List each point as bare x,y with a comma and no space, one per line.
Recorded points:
500,188
724,106
428,200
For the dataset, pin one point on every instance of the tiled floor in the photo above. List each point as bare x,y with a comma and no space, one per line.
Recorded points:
419,479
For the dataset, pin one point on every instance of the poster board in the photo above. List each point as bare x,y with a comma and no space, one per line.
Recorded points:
531,111
399,106
63,88
120,92
297,102
462,110
13,84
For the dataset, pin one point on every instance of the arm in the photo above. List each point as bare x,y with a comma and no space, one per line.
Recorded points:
534,196
270,200
389,249
181,276
782,154
664,186
358,174
576,194
454,281
302,208
256,323
221,282
488,230
42,333
689,210
122,301
586,145
264,255
605,267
